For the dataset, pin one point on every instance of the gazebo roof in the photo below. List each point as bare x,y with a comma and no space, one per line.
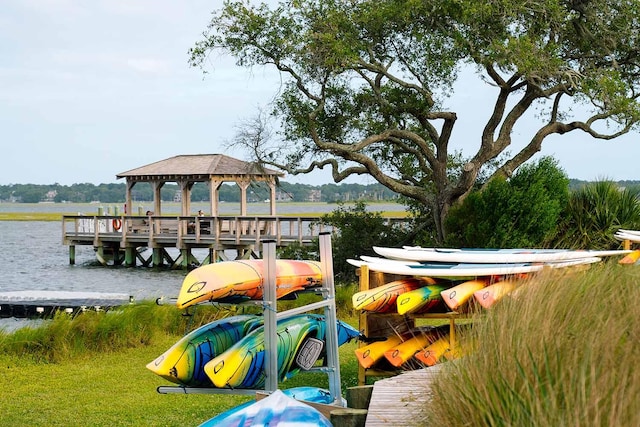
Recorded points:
199,168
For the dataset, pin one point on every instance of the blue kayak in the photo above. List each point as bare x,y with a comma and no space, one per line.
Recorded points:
281,407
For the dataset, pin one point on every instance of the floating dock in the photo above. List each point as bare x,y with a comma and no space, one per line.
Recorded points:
43,304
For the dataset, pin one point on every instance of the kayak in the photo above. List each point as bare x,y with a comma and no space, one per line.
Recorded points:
382,299
277,409
245,279
242,365
183,363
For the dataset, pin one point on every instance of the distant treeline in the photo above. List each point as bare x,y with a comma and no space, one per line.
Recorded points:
115,193
229,192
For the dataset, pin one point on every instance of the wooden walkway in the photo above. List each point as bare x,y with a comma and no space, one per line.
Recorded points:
125,236
399,401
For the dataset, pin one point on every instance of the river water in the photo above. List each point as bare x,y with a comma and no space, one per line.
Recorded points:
33,258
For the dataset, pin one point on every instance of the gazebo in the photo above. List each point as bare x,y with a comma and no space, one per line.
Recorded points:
214,169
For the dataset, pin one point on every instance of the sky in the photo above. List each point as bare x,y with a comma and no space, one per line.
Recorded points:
92,88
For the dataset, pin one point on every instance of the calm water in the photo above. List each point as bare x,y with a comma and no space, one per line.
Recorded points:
43,263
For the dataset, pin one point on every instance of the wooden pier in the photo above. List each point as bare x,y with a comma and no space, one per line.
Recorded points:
121,240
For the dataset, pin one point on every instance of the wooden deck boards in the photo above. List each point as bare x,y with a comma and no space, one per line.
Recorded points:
399,401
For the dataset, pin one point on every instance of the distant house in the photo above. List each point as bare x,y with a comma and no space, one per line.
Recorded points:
314,196
50,196
283,196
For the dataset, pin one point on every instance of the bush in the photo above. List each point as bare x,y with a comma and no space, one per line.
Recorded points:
356,232
67,336
594,213
521,212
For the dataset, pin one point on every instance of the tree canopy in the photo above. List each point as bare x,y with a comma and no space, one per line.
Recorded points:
366,83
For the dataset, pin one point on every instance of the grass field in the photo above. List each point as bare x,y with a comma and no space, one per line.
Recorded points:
90,370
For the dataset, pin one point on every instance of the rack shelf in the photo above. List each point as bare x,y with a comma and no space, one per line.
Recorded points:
378,325
271,316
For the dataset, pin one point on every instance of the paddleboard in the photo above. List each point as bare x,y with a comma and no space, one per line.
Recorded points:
241,366
623,230
277,409
627,236
487,256
382,299
184,362
245,279
448,270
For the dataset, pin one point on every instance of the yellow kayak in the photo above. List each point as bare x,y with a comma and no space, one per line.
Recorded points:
460,294
421,300
430,355
245,279
369,354
405,351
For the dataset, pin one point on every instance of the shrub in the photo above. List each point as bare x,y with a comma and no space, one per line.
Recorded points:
356,232
521,212
594,213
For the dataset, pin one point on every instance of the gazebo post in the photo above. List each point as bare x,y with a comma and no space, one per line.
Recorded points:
272,198
243,183
157,198
214,195
128,204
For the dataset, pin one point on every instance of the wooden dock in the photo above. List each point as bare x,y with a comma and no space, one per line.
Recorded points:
400,400
120,240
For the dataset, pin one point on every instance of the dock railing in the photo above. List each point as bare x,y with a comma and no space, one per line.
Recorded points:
181,231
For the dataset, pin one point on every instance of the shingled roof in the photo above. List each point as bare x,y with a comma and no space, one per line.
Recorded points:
199,167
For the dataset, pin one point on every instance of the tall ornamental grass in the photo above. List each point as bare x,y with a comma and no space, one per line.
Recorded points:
563,351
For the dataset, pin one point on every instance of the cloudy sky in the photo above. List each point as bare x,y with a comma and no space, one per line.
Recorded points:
92,88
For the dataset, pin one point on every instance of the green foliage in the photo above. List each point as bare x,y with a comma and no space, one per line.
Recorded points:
297,250
521,212
142,191
594,213
564,352
357,230
366,84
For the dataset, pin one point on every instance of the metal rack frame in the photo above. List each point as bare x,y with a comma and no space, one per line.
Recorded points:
271,316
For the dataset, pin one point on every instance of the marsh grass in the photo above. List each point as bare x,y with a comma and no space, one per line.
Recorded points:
136,325
562,352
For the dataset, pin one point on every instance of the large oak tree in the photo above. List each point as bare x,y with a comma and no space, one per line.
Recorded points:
366,82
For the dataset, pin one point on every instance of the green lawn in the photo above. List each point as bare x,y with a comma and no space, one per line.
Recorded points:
115,389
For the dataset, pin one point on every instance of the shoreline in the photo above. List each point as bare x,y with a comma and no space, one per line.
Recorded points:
53,212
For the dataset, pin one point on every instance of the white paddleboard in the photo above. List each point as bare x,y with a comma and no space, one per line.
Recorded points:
554,264
626,231
627,236
491,256
447,270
